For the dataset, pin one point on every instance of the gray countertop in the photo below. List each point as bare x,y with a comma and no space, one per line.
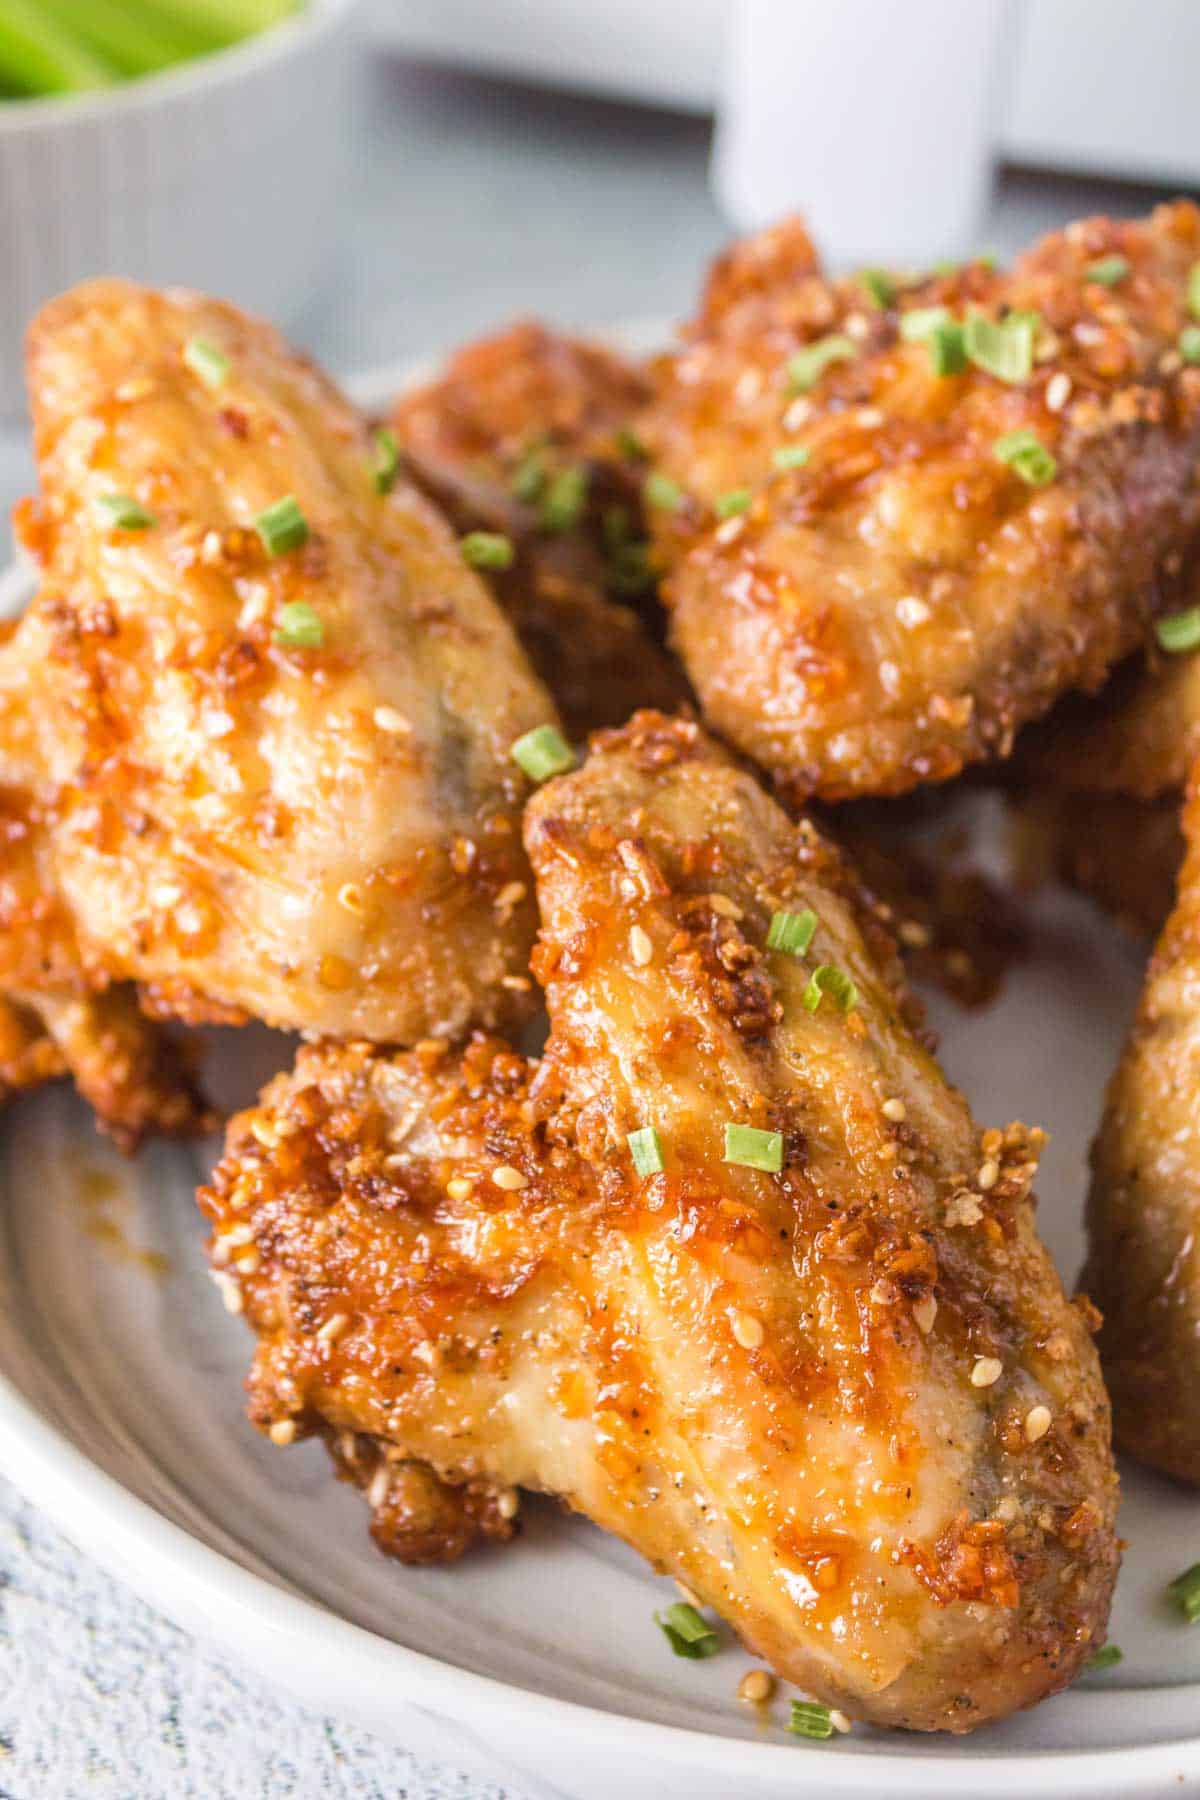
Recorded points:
471,201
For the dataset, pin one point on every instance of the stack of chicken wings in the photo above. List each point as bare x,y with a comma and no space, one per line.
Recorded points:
296,730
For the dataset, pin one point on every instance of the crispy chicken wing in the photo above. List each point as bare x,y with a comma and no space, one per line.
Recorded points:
949,502
523,434
1144,1208
269,708
820,1369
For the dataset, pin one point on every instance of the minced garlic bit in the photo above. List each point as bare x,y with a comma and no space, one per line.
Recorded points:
283,1432
388,719
510,895
748,1331
989,1174
1007,1508
459,1188
509,1179
756,1687
640,947
838,1720
912,612
1037,1423
381,1481
964,1209
895,1110
924,1313
1058,391
333,1328
987,1371
507,1503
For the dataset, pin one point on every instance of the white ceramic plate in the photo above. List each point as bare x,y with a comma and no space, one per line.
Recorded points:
121,1415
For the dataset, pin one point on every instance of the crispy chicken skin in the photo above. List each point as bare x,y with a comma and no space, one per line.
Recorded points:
323,836
764,1382
901,604
511,415
1144,1208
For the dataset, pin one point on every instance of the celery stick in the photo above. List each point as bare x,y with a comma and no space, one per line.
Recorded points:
125,33
38,57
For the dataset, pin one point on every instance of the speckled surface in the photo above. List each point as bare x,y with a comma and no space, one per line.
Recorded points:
472,201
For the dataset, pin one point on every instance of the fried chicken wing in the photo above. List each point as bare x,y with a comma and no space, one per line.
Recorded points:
949,502
269,708
523,434
814,1363
1144,1208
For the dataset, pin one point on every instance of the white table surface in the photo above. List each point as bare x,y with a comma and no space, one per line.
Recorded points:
471,202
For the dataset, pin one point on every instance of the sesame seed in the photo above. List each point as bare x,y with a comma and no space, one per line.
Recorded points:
1037,1423
282,1432
797,414
1058,391
350,899
727,908
459,1188
912,612
924,1313
388,719
507,1502
509,1179
510,895
517,984
640,947
989,1174
895,1110
987,1371
748,1331
332,1329
838,1719
756,1687
230,1292
381,1481
914,935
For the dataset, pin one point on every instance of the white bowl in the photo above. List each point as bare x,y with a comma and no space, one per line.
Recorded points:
221,174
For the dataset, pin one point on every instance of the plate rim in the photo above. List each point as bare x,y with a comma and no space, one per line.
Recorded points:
156,1557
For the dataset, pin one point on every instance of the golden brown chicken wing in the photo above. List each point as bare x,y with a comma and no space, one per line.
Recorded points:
904,518
268,708
525,433
795,1339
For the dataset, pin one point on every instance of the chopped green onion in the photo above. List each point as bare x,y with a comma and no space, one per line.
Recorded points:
1179,631
487,550
1107,1657
806,368
1108,271
630,445
916,325
1193,290
1027,457
879,286
687,1632
645,1147
754,1149
1189,343
299,627
385,466
946,344
1003,348
792,932
124,512
834,982
564,500
810,1720
792,456
543,752
209,364
1185,1592
529,477
735,501
282,527
661,491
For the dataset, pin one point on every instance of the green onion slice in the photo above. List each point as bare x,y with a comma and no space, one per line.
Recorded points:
1189,343
832,981
543,752
915,326
529,477
1108,271
645,1147
207,363
564,500
947,347
792,456
299,627
1185,1592
282,527
1179,631
735,501
879,286
1003,348
806,368
659,490
810,1720
750,1148
792,931
1193,290
385,466
1027,457
630,445
487,550
1107,1657
126,513
687,1632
